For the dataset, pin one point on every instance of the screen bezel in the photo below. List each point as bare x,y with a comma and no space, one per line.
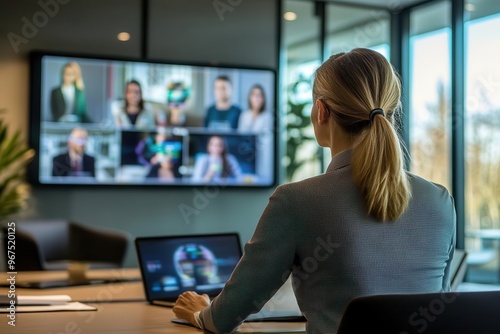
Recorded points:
35,124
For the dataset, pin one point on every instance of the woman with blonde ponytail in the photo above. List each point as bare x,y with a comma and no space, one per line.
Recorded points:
366,226
362,100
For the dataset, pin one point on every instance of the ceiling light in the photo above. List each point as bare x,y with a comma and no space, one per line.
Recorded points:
290,16
123,36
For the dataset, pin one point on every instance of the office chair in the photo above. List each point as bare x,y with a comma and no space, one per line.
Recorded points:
431,313
50,245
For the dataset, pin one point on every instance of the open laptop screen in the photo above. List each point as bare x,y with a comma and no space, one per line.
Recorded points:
172,265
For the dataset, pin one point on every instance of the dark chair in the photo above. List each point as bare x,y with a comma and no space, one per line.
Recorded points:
432,313
51,244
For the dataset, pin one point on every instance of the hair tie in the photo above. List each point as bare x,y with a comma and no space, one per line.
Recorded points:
375,112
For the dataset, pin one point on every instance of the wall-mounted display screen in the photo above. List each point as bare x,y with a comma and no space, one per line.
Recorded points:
102,121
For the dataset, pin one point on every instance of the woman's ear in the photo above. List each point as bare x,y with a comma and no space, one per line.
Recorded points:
323,112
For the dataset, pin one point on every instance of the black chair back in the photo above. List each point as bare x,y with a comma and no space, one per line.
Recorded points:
51,244
432,313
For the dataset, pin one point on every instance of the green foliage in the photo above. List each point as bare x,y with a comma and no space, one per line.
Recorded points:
298,121
14,156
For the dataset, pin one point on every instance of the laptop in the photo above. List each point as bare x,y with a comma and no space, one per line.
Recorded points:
171,265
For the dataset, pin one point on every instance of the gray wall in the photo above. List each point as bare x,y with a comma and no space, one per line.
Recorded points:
179,30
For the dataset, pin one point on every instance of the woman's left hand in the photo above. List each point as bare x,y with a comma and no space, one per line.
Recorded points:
188,303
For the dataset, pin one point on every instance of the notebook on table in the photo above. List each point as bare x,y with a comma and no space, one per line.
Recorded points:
171,265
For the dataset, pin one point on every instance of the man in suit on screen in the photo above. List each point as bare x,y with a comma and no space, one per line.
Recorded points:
75,162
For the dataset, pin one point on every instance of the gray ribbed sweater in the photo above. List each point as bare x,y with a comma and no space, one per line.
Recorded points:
319,230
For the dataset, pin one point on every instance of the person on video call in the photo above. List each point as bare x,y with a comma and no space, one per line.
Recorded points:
223,114
364,227
68,101
159,154
134,113
177,94
217,164
163,170
256,118
75,162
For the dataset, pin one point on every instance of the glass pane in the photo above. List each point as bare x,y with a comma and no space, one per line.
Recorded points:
430,92
302,55
482,135
353,27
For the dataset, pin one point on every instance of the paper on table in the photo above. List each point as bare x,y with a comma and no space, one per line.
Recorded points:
71,306
43,300
35,300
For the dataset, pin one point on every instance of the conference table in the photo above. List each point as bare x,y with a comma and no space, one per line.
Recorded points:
121,308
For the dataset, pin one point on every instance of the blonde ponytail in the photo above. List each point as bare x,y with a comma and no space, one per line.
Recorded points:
378,171
351,85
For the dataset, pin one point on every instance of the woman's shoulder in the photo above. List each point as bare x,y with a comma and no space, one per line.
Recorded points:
421,183
232,159
117,107
425,191
266,114
201,158
296,195
79,90
56,90
246,113
306,187
148,109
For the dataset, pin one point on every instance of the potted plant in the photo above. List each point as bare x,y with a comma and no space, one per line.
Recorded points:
298,126
14,157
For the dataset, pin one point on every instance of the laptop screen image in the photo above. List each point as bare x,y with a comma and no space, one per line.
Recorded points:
175,264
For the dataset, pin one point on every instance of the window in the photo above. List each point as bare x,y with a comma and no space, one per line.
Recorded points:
355,27
346,28
302,54
482,138
430,92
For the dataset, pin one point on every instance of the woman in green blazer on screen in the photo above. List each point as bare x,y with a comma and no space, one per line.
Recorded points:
68,101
